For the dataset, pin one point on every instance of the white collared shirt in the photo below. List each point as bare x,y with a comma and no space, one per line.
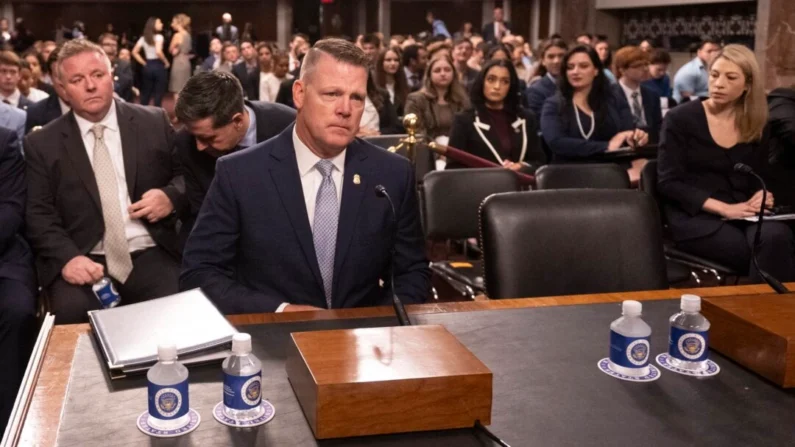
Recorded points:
370,118
65,108
311,178
628,92
37,95
269,86
138,237
13,98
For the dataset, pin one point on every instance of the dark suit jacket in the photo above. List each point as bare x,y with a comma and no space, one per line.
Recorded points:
538,92
250,83
16,259
563,136
64,212
782,144
252,247
651,108
123,80
387,117
208,63
285,95
24,103
42,113
693,168
488,30
199,167
465,136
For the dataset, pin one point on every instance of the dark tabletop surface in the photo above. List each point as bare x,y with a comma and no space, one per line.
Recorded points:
547,390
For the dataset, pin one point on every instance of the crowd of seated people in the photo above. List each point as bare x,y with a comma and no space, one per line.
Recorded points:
97,180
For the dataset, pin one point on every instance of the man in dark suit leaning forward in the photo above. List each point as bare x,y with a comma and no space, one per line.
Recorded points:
104,192
294,223
217,122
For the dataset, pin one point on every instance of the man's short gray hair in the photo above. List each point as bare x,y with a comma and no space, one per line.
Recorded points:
79,46
341,50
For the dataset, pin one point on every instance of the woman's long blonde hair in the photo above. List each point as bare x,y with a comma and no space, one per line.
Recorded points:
750,109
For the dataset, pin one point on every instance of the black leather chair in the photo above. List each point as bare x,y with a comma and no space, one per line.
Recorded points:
594,175
545,243
450,201
601,176
648,184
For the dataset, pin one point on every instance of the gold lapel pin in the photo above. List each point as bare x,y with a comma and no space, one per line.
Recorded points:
356,179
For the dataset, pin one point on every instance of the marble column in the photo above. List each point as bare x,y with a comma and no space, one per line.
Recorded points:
775,42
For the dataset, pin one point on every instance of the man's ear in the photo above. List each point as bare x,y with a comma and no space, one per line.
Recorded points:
299,93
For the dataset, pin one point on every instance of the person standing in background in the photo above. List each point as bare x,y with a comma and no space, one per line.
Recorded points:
438,28
155,76
227,32
499,28
180,47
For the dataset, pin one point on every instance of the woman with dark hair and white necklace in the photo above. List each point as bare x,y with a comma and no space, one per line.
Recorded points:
587,117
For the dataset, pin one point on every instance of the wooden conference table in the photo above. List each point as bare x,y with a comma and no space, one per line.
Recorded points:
42,422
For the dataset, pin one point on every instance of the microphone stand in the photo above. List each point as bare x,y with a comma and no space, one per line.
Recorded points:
767,277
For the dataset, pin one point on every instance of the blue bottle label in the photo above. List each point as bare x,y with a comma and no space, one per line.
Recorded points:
689,346
242,392
629,352
168,401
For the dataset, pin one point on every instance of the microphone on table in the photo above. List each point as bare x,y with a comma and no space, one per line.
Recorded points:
769,279
400,309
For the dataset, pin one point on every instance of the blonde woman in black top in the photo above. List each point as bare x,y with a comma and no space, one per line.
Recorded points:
706,199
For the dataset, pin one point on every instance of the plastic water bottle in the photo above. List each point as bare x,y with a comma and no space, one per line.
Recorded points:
168,390
629,341
242,381
688,343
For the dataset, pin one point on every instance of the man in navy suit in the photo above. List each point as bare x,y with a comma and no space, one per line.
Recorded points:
294,223
632,68
17,280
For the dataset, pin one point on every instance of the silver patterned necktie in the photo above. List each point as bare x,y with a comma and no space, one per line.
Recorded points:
114,242
324,226
637,110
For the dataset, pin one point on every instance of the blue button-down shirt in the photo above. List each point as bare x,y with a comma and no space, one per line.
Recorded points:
250,139
692,78
439,29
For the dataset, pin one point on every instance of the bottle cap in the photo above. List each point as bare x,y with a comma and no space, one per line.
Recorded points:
631,308
241,344
691,303
166,352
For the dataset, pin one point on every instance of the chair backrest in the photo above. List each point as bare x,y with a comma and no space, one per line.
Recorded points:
591,175
648,178
579,241
451,199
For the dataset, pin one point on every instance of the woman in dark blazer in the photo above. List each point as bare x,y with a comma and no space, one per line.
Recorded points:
706,200
586,117
496,128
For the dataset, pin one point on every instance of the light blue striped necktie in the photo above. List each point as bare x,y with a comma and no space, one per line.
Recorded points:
324,226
